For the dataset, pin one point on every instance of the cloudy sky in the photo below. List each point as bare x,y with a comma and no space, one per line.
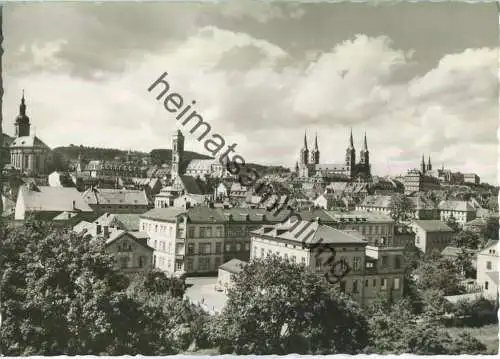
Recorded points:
418,78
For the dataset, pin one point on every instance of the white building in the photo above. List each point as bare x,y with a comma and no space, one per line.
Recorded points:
487,269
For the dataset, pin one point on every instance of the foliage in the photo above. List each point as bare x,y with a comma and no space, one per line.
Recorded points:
440,274
397,330
276,307
157,282
402,208
61,296
161,156
466,239
492,229
453,224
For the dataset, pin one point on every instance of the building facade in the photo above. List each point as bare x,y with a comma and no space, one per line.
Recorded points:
487,269
461,211
431,235
309,165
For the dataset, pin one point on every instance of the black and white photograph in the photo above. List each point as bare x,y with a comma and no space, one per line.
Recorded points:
249,177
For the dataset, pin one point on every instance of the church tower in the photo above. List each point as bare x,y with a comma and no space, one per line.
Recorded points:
364,154
177,154
304,153
422,165
350,156
315,152
429,165
22,120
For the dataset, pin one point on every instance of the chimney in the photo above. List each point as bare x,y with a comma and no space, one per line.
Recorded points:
74,205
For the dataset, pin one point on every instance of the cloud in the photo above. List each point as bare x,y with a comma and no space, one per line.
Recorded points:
253,91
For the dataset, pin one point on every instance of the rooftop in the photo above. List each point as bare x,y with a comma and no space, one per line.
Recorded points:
432,225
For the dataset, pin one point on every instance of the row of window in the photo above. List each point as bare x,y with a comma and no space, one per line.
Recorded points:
125,262
383,284
206,248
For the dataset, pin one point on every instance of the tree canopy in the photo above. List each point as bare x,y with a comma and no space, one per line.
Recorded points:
276,307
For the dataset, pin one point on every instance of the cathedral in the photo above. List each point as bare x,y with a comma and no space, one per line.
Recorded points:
309,164
28,153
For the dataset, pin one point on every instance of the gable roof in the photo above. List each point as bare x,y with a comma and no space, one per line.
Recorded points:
377,201
127,221
234,266
462,206
52,199
138,237
96,196
28,141
163,214
311,232
432,225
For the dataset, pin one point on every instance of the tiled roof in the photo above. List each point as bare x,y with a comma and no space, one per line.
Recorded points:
126,221
377,201
163,214
363,216
422,203
115,196
139,237
455,251
29,141
233,266
52,199
433,225
311,232
462,206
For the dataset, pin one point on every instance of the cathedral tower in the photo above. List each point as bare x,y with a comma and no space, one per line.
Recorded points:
304,153
350,156
22,120
177,154
429,166
315,152
422,165
364,154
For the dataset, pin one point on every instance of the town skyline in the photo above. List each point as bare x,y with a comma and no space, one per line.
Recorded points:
366,77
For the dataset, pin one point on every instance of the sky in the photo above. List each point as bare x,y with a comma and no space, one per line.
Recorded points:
418,78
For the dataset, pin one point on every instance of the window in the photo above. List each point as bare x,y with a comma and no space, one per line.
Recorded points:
396,283
238,247
218,231
218,248
374,283
247,246
286,256
488,265
228,247
208,231
384,261
366,283
190,264
383,283
486,285
191,232
141,261
356,264
262,252
178,266
124,262
205,248
202,231
303,260
294,259
203,263
190,249
217,262
254,254
397,262
355,286
156,243
163,246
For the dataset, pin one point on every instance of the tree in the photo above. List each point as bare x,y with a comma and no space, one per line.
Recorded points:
453,224
439,274
466,239
276,307
402,208
491,229
61,296
157,282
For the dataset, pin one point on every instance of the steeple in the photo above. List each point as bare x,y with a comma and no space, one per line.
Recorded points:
429,165
304,152
351,141
422,165
365,144
22,120
364,156
315,151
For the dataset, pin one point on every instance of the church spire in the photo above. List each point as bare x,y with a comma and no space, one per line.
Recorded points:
316,142
305,140
422,165
351,141
365,144
429,165
22,106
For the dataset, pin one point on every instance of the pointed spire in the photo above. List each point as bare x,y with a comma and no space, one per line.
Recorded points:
351,141
423,159
22,107
305,140
429,161
365,144
316,142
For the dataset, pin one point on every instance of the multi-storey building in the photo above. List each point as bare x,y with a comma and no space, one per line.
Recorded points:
103,200
471,178
461,211
431,235
487,269
369,271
